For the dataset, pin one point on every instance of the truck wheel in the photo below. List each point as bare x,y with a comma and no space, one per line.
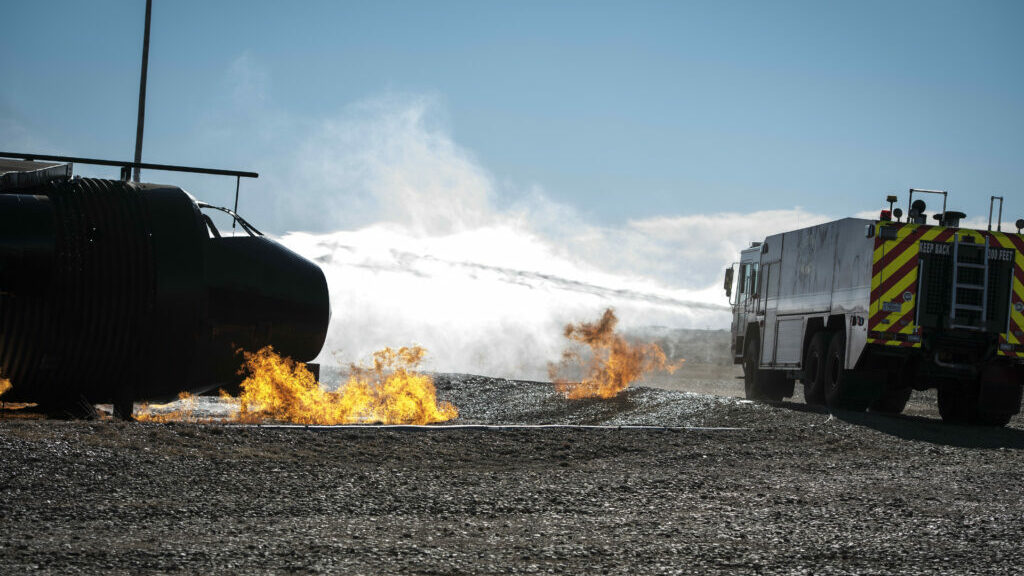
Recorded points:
765,385
892,401
958,404
839,392
751,357
998,396
955,404
814,369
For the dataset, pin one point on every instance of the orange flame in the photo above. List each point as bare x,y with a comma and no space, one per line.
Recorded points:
185,413
614,363
388,392
12,409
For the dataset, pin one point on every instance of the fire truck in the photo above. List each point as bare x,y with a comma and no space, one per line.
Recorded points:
863,312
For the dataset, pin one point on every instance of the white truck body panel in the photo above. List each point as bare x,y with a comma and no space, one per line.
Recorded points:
817,271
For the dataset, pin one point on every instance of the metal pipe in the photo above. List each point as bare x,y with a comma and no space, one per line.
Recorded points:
957,366
122,164
493,427
142,91
234,219
999,224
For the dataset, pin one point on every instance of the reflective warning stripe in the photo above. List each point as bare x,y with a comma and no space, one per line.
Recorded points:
1015,336
894,273
909,233
905,324
894,283
901,277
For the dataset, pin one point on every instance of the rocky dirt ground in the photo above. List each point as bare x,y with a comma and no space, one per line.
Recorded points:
793,490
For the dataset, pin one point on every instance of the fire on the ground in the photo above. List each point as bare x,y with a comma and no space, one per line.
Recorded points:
390,391
609,363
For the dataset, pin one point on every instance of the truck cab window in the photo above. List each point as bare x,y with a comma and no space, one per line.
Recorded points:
752,280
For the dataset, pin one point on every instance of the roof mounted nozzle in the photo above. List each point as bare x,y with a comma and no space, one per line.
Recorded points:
950,218
1020,224
917,215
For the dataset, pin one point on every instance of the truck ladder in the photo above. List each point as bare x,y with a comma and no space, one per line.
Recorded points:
956,321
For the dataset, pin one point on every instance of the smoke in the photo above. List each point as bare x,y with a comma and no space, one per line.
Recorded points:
387,160
686,251
405,225
490,300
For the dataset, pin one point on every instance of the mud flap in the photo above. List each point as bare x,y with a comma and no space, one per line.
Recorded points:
861,388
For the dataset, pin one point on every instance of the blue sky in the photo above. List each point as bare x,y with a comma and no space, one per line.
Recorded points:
472,176
622,110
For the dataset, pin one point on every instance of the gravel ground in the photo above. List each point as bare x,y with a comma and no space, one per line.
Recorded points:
794,491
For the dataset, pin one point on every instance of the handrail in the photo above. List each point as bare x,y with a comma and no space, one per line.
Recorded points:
125,164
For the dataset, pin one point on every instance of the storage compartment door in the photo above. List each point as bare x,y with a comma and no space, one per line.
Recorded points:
788,341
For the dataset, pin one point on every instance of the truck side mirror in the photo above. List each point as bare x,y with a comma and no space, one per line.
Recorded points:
728,281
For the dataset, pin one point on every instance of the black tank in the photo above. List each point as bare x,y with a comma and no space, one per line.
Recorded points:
112,291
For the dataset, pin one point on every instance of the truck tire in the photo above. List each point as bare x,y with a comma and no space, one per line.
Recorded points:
814,369
955,402
999,395
958,404
839,390
763,385
751,358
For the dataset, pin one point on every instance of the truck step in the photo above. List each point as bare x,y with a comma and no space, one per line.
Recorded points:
967,327
969,307
970,265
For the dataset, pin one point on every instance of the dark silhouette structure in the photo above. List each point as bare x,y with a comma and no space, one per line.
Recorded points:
115,291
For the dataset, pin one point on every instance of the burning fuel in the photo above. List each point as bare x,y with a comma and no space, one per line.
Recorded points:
613,364
5,385
185,412
390,391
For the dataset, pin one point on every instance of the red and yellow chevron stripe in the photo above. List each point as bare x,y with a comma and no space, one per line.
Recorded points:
1015,336
894,283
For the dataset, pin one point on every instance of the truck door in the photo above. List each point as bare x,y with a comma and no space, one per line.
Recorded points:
743,303
767,301
768,296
